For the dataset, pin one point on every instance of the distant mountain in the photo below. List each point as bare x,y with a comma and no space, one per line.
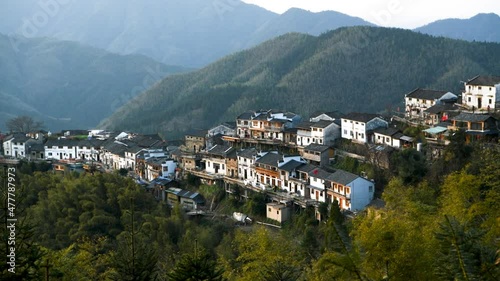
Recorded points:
364,69
482,27
187,32
68,85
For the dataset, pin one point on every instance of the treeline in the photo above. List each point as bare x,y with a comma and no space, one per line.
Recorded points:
438,224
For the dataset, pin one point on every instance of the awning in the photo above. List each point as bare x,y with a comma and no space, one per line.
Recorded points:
406,138
435,130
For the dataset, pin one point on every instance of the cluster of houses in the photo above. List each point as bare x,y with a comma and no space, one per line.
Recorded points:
271,150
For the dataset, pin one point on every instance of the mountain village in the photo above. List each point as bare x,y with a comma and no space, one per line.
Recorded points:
275,152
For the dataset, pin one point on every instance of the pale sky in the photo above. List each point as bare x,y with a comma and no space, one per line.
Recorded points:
390,13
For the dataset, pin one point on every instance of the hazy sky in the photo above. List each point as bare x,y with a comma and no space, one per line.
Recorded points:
394,13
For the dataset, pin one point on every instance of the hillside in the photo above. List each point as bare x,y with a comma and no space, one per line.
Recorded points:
350,69
482,27
68,85
189,32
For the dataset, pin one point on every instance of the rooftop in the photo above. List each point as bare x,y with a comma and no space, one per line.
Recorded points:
484,81
426,94
471,117
361,117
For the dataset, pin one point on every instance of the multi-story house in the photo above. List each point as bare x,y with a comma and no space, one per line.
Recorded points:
215,160
318,132
15,145
388,136
418,100
267,169
351,191
325,132
476,126
63,149
358,127
269,125
317,154
246,161
290,177
482,93
195,141
304,136
318,182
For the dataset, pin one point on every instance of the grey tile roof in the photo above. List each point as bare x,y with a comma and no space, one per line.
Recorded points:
316,147
248,152
387,131
331,114
320,174
342,177
426,94
306,168
484,81
321,124
195,196
197,133
439,108
291,165
246,115
271,159
361,117
305,125
18,137
471,117
220,150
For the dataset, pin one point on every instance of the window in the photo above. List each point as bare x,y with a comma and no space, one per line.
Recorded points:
50,153
269,209
479,87
347,190
278,212
370,188
378,137
321,141
345,132
387,139
469,99
489,101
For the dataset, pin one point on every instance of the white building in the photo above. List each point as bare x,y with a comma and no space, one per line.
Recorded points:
351,191
325,132
358,126
246,159
215,159
15,145
388,136
482,92
72,149
418,100
318,183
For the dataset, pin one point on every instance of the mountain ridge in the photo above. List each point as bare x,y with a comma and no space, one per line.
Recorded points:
349,69
191,33
481,27
58,81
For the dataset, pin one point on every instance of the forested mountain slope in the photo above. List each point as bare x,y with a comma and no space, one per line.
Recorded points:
349,69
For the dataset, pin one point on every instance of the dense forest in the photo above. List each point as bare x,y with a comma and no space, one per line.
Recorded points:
362,69
68,85
440,221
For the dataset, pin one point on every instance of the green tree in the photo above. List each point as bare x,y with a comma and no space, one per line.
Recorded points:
410,165
197,267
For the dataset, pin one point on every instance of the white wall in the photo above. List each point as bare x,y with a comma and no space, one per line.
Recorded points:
360,193
168,168
354,130
210,166
486,93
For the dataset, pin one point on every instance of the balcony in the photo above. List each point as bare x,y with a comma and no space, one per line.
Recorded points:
273,128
